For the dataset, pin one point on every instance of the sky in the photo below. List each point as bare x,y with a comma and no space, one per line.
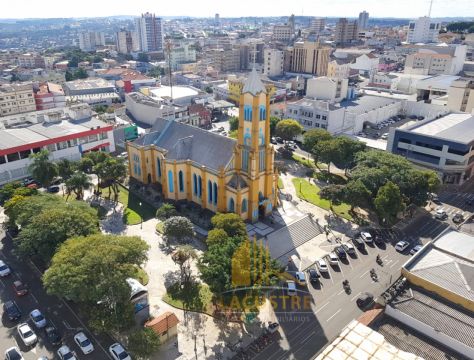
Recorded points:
236,8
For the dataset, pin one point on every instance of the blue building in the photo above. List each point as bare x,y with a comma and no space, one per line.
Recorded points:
444,145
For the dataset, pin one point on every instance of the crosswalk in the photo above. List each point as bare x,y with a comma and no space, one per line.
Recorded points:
457,200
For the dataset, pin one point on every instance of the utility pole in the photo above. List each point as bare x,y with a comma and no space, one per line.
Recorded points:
431,5
169,46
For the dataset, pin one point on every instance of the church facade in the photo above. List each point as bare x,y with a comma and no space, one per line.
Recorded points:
218,173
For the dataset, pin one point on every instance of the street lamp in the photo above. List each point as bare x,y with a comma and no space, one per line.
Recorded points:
141,218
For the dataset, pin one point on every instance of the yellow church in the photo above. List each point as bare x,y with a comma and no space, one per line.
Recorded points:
218,173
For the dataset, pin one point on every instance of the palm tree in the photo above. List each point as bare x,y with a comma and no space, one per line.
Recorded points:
77,183
42,169
111,172
66,168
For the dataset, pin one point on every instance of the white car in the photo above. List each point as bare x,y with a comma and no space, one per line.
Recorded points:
441,214
333,259
322,266
367,237
13,353
291,289
300,278
4,269
402,245
384,136
118,352
84,343
38,319
65,353
27,335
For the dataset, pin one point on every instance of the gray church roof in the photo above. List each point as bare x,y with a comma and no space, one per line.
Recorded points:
253,84
186,142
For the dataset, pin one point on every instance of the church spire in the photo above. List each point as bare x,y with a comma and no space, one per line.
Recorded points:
254,85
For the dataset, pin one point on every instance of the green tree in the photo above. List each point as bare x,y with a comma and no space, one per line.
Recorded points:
356,194
52,226
388,202
42,169
327,151
77,183
231,223
8,191
22,210
287,129
216,236
178,228
347,150
234,123
68,76
143,343
274,120
66,168
86,164
111,172
143,57
183,256
80,74
166,211
333,193
156,72
313,136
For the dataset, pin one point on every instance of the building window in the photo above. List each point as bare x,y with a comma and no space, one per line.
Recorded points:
324,117
215,194
195,184
92,138
181,181
247,113
25,154
13,157
261,160
231,205
170,181
158,167
199,186
2,159
263,113
244,205
209,191
245,159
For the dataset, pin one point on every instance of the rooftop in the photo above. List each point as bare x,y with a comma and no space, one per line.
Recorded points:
367,103
178,92
84,84
439,82
163,322
458,127
253,84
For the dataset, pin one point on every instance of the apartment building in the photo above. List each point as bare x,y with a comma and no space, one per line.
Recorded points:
282,33
310,58
339,68
48,96
317,25
436,60
224,60
461,95
127,41
273,62
325,88
150,32
346,31
30,61
16,99
363,20
182,54
366,64
423,30
91,40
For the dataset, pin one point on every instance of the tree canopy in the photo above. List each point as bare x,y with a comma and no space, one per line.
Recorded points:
166,211
233,123
42,168
143,343
287,129
231,223
313,136
388,202
179,228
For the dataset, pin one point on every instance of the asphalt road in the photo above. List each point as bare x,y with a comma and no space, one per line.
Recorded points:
53,308
305,333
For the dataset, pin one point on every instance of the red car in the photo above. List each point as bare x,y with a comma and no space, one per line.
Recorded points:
20,288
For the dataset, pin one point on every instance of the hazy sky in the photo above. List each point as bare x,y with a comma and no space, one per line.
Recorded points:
235,8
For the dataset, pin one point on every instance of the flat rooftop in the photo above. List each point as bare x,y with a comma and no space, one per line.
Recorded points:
457,127
178,92
85,84
438,82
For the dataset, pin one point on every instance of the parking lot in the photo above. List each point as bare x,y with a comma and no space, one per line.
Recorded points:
382,128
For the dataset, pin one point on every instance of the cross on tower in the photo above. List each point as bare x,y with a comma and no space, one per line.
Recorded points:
254,55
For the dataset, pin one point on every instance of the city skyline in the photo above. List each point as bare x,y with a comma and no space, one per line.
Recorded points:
207,8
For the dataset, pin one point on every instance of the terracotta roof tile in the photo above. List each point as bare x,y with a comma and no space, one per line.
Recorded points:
163,323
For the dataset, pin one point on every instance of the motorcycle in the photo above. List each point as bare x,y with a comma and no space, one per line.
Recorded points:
379,260
373,275
346,286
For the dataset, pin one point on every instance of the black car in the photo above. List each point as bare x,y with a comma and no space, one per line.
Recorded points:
279,140
358,242
12,310
53,189
52,334
458,218
365,300
341,254
313,275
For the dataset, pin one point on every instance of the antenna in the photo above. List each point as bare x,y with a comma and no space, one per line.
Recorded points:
168,50
431,5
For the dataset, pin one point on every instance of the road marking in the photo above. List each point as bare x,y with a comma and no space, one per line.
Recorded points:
360,277
385,257
395,263
307,337
293,331
337,312
34,298
322,307
340,292
355,296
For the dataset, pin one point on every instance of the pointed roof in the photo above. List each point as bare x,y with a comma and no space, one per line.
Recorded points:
253,84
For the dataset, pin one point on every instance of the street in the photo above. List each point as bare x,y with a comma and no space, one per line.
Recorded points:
55,310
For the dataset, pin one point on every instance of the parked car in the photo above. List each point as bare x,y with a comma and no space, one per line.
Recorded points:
12,310
52,334
458,218
300,278
313,275
349,248
4,269
322,266
118,352
279,140
365,300
64,353
340,252
402,245
13,353
53,189
367,237
333,259
433,197
19,288
290,288
413,117
384,136
272,327
415,249
38,318
440,214
419,118
84,343
358,242
27,335
273,141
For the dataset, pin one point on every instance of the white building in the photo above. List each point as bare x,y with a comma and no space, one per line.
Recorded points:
16,98
91,40
317,25
325,88
146,110
150,32
461,95
282,33
384,80
182,54
273,62
436,60
127,41
339,68
423,30
363,20
366,64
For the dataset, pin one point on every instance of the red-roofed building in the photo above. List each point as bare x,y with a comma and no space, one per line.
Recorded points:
49,96
127,80
165,325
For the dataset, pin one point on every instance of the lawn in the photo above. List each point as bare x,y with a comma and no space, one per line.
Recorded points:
280,183
133,213
310,192
195,297
307,162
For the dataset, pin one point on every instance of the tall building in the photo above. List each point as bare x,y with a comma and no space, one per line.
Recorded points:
215,172
217,20
224,60
317,25
182,54
309,57
150,32
16,99
423,30
363,20
346,31
461,95
90,40
273,62
285,32
127,41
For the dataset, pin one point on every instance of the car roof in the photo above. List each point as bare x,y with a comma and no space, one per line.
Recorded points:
36,312
366,233
64,349
120,347
80,336
2,262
